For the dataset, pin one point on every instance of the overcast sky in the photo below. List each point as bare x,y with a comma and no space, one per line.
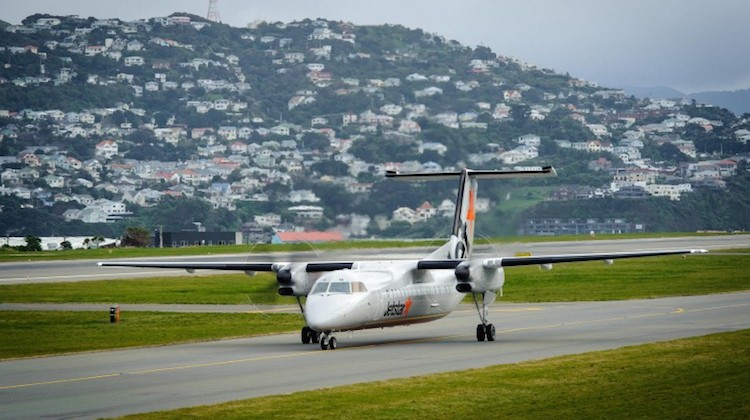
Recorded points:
691,45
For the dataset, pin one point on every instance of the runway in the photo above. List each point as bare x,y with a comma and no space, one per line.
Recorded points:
114,383
83,270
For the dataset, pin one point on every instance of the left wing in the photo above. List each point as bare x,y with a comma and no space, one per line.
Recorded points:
552,259
311,267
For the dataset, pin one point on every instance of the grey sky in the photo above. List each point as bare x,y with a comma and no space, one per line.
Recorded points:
690,45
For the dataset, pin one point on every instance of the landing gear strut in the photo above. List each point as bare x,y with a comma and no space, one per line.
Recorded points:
327,342
307,334
484,330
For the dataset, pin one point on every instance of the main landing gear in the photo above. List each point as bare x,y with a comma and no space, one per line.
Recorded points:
309,335
484,330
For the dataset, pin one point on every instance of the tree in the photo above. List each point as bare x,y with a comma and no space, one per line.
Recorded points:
315,141
33,243
330,167
137,237
66,245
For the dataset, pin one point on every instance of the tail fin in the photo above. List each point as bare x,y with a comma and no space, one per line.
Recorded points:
461,242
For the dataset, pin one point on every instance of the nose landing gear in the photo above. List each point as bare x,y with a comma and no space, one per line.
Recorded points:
327,342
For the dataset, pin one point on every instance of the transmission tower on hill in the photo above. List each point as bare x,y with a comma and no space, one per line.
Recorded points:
213,11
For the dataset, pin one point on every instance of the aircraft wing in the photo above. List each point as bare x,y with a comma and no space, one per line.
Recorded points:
552,259
311,267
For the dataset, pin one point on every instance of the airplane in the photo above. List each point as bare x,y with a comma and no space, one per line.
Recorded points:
354,295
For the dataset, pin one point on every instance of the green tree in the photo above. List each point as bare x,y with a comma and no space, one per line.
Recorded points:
137,237
33,243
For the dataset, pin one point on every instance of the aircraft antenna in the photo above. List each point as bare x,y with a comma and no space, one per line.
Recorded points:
213,11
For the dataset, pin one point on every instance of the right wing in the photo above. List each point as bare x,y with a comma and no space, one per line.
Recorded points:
552,259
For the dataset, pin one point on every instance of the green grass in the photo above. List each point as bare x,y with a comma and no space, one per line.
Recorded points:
35,333
626,279
630,278
704,377
214,289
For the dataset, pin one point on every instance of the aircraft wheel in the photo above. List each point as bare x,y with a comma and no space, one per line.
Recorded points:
480,332
306,335
314,336
323,343
332,343
490,332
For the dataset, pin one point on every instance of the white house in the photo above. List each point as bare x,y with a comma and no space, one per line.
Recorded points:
107,149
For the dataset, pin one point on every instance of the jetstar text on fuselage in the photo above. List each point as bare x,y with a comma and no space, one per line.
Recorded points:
397,308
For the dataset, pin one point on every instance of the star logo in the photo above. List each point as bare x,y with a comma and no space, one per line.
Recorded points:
407,306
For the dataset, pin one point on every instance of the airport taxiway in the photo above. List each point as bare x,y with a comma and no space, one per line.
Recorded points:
119,382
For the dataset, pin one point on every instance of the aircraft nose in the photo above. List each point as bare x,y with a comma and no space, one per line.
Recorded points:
326,313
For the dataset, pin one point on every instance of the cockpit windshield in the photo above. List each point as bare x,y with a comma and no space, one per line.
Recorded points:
340,287
320,287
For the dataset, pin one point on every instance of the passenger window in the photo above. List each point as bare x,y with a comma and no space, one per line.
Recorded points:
319,288
339,287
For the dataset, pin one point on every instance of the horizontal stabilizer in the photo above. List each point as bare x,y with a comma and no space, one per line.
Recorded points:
479,174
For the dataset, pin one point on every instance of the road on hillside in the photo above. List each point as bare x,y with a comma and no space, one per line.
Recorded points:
81,270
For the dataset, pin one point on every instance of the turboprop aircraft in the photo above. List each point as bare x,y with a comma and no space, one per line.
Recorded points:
354,295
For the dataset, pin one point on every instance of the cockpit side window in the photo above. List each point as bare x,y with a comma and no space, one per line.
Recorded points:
320,287
339,287
358,287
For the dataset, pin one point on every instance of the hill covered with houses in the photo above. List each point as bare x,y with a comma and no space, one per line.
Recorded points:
179,122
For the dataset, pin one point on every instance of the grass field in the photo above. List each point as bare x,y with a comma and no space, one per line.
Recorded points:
703,377
36,333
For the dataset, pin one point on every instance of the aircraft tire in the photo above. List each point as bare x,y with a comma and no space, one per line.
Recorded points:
481,333
306,335
490,332
332,343
314,336
323,343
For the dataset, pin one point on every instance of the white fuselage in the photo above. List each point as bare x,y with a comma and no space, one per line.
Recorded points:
380,294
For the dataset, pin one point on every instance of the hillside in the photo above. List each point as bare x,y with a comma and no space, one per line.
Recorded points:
107,124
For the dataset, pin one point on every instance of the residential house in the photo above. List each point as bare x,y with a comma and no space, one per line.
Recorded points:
426,211
307,212
107,149
404,214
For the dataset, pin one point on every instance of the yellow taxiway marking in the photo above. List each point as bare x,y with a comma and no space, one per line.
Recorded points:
668,311
159,370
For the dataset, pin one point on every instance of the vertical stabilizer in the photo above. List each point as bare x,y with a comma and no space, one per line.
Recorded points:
461,242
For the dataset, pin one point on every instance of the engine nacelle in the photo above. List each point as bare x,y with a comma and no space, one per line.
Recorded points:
475,277
294,280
